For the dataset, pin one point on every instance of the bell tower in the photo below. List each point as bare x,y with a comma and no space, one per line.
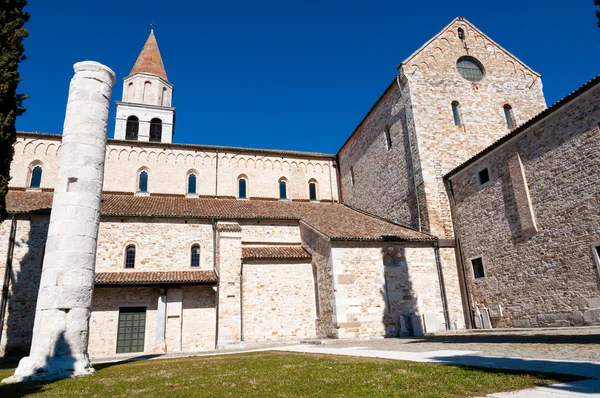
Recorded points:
145,112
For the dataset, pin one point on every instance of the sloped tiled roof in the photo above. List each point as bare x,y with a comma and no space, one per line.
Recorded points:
335,221
155,277
274,253
149,60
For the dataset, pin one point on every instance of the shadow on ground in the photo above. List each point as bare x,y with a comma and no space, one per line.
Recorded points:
500,338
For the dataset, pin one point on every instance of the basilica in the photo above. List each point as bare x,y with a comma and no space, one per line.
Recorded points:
459,201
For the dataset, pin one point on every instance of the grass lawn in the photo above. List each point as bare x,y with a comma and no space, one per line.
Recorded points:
281,374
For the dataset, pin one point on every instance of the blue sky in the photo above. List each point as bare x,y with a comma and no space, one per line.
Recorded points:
284,74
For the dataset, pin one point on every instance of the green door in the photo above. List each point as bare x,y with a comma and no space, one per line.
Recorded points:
132,325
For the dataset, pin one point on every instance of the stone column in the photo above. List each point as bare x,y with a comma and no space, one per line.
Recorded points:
59,347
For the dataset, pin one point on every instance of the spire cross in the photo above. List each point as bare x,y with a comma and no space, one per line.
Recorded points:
152,26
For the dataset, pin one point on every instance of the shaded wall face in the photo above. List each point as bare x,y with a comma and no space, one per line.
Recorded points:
376,174
435,83
537,246
278,301
29,246
370,297
168,170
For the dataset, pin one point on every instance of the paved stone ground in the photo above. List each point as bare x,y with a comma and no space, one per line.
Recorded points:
571,344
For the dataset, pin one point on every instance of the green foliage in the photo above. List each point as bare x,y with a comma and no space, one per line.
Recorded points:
279,374
12,33
597,3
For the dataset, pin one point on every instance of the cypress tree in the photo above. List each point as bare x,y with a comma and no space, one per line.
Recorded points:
12,33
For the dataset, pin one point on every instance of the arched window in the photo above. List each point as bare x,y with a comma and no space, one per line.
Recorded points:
456,113
282,189
131,131
195,256
143,184
36,177
191,183
508,114
155,130
388,138
164,97
130,256
312,190
146,93
389,260
242,188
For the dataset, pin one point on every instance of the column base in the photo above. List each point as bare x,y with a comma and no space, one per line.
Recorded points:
53,368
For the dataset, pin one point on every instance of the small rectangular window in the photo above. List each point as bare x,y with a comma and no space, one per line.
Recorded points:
484,176
388,138
478,271
351,175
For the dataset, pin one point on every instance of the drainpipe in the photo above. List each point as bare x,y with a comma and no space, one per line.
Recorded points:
214,221
438,263
7,272
410,148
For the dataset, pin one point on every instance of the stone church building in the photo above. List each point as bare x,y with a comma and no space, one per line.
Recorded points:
459,201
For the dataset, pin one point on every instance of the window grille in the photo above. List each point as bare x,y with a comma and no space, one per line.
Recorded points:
130,257
155,130
195,256
470,68
131,131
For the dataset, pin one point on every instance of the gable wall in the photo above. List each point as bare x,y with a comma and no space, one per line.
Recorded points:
435,82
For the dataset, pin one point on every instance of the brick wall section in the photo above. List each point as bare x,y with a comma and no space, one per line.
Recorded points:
435,82
383,182
278,301
547,278
168,168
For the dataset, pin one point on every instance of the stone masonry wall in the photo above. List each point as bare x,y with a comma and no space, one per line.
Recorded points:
168,169
548,277
370,297
383,183
319,248
435,83
161,244
278,301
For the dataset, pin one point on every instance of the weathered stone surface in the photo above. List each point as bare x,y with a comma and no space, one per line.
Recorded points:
61,328
550,278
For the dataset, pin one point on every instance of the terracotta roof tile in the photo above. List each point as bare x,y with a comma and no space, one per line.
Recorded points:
151,278
149,60
337,222
272,252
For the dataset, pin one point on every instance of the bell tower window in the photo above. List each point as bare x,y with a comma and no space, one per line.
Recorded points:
131,131
155,130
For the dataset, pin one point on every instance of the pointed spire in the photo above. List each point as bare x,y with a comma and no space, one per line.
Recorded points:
149,60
